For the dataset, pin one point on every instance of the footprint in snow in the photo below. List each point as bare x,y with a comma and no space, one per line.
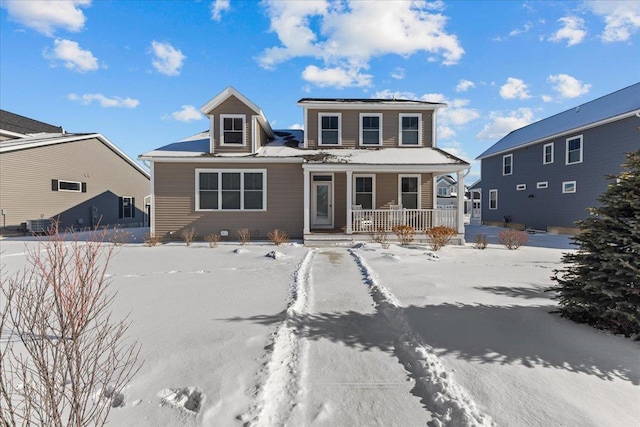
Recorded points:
188,399
240,251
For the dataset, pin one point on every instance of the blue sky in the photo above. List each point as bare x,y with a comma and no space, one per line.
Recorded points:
138,71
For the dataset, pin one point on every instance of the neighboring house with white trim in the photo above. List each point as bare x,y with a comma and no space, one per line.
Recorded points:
83,180
360,165
546,175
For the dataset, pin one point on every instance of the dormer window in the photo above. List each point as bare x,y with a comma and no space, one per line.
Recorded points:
410,126
370,129
329,129
232,129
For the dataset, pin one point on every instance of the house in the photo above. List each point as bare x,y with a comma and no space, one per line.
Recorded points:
447,192
361,165
475,196
82,180
545,175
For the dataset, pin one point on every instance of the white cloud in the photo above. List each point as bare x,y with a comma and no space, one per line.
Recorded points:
168,60
341,32
500,125
573,31
464,85
622,18
72,56
547,98
217,7
513,33
296,126
45,16
567,86
116,101
514,89
398,73
189,113
335,77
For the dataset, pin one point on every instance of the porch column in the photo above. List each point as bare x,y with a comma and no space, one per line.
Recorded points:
460,201
307,198
349,202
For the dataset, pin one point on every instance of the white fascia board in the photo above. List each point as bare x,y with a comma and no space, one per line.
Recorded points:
368,106
336,167
222,160
13,134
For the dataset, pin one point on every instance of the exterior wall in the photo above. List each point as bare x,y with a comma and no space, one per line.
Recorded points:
232,106
175,202
351,127
604,151
26,190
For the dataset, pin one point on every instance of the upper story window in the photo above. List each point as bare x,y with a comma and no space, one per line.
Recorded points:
232,129
410,129
231,189
409,191
547,153
370,129
72,186
443,191
329,129
507,164
574,150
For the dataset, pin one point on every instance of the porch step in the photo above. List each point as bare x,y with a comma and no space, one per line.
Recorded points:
323,240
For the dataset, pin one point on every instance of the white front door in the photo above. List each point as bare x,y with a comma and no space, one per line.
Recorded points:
322,203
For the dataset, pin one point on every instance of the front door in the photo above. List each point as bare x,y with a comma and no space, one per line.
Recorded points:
322,202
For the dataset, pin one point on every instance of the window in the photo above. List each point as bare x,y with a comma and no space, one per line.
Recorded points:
364,189
569,187
329,125
72,186
521,187
507,164
410,129
127,207
370,129
574,150
547,153
542,184
442,191
409,191
493,199
231,189
232,129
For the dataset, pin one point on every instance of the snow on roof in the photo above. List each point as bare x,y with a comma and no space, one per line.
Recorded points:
616,104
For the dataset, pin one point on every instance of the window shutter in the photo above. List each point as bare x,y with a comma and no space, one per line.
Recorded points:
120,207
54,185
133,207
84,187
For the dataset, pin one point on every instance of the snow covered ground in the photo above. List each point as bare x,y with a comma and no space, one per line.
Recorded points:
361,336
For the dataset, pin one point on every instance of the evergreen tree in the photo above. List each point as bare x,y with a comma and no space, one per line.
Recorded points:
600,284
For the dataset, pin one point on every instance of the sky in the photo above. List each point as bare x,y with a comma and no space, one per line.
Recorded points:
139,71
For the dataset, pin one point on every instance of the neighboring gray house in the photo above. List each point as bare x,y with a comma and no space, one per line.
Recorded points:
545,175
447,194
81,179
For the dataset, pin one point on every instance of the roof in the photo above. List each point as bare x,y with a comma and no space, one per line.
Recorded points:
614,106
46,139
368,103
23,125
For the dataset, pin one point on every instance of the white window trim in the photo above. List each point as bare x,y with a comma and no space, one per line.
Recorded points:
503,164
363,115
565,184
373,187
521,187
566,157
241,172
400,117
320,116
130,204
79,190
494,191
400,176
544,154
542,185
244,129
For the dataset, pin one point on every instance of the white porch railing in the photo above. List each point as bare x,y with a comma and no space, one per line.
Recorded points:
368,220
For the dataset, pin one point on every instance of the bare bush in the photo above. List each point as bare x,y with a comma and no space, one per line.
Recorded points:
244,236
405,233
212,239
188,235
512,239
378,235
481,241
119,237
439,236
63,358
278,237
150,239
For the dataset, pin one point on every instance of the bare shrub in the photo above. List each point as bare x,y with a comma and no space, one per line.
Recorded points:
244,236
278,237
439,236
512,239
212,239
481,241
119,237
63,359
405,233
150,239
378,235
188,235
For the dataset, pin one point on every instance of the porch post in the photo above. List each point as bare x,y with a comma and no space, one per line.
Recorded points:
349,202
307,198
460,200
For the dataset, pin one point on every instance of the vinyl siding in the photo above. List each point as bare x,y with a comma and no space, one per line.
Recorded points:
25,184
232,106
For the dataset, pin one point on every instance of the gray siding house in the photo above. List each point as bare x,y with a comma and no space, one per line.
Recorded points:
545,175
83,180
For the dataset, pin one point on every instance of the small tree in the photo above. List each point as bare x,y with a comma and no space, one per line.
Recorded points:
601,283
